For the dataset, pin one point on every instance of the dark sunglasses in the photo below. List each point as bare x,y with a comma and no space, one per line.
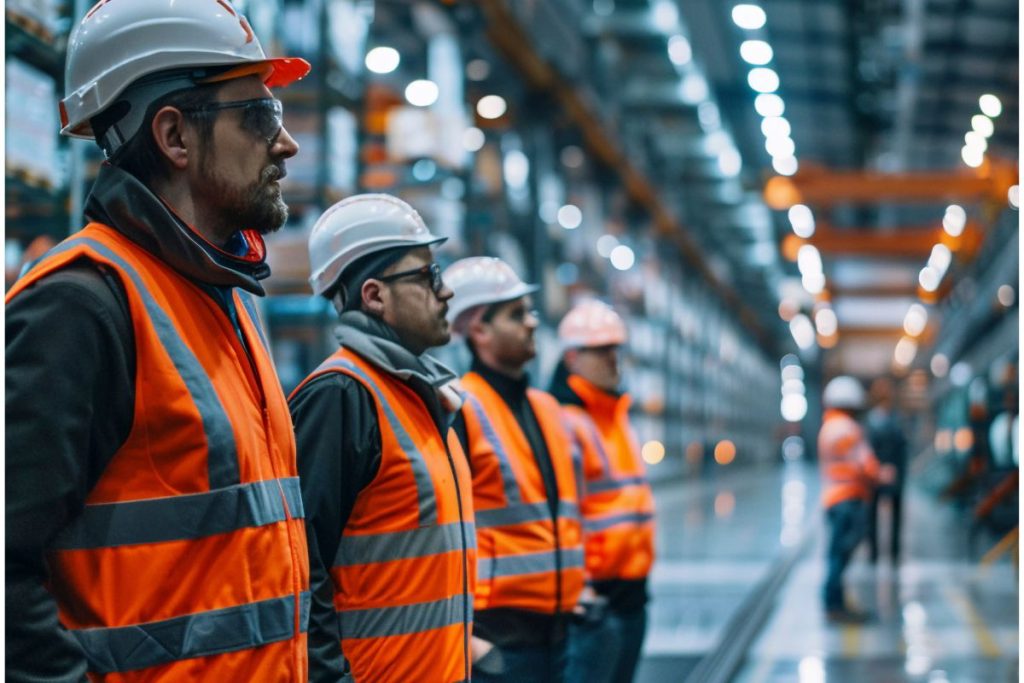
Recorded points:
433,270
263,117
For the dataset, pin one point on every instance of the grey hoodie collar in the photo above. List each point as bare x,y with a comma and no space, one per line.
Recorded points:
376,342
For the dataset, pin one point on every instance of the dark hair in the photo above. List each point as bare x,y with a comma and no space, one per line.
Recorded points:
141,156
486,317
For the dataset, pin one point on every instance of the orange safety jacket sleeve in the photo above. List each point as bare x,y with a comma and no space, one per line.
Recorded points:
338,447
53,407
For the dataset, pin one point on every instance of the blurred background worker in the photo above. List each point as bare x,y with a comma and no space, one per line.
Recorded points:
886,434
152,497
850,472
616,504
387,492
524,488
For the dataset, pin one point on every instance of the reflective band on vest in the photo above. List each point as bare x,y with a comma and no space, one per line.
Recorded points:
403,619
630,518
523,513
508,478
529,563
404,545
601,485
127,648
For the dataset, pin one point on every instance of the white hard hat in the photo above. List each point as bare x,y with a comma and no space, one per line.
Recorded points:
844,392
361,225
591,323
119,42
481,281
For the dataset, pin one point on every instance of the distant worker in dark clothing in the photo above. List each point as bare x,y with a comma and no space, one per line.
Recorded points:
885,433
529,541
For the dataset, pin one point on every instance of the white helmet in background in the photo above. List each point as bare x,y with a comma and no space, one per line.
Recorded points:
361,225
591,323
481,281
844,392
120,42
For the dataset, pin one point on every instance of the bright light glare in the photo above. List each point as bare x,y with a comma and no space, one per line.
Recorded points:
769,105
975,140
808,259
1006,296
814,283
622,257
473,139
961,373
775,127
939,365
666,16
693,89
781,148
826,322
954,220
762,79
725,452
906,349
793,407
516,168
1014,196
793,386
748,16
756,52
383,60
916,320
802,220
792,372
605,244
785,165
802,330
679,50
491,106
972,156
929,279
940,258
570,217
653,452
983,125
421,93
990,105
730,162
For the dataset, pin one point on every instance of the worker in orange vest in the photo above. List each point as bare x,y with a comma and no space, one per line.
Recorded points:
524,489
849,472
386,486
154,523
617,504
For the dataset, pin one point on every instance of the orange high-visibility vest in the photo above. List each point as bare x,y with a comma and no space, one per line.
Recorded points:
406,568
849,468
526,560
617,504
189,561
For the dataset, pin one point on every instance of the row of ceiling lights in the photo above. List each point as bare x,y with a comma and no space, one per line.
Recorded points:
976,141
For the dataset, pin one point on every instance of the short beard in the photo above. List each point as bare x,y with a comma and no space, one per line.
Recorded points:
258,207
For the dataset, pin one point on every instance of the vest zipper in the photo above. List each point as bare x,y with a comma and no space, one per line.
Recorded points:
465,562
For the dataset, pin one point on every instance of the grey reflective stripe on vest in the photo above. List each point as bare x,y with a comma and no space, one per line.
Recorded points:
250,308
127,648
222,459
381,622
524,513
528,563
418,464
595,436
404,545
631,518
184,517
601,485
508,477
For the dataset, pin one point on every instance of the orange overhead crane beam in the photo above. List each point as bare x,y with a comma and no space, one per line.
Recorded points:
507,35
912,243
822,187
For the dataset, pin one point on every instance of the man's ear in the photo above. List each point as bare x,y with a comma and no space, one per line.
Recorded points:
172,138
478,332
372,296
571,355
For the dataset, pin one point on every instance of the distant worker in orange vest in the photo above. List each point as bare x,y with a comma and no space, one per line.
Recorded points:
154,525
387,489
617,504
849,472
524,489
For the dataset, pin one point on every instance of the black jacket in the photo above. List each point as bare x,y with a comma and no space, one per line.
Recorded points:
70,395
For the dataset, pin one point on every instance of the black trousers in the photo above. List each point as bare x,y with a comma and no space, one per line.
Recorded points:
895,495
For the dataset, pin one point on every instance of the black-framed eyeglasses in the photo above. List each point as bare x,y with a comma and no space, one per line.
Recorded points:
431,270
263,116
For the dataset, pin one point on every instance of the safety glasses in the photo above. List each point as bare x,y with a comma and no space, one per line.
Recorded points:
431,270
263,117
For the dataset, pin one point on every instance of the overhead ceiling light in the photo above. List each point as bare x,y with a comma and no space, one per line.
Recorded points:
382,60
975,139
826,322
570,217
709,116
473,139
749,17
679,50
666,16
785,165
516,167
756,52
763,79
972,156
780,147
982,124
730,163
939,365
906,349
1006,295
793,385
491,106
929,279
803,332
793,407
478,70
622,257
814,283
572,156
990,105
940,258
916,320
954,221
1013,196
775,127
802,220
693,89
769,105
808,259
421,93
605,244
